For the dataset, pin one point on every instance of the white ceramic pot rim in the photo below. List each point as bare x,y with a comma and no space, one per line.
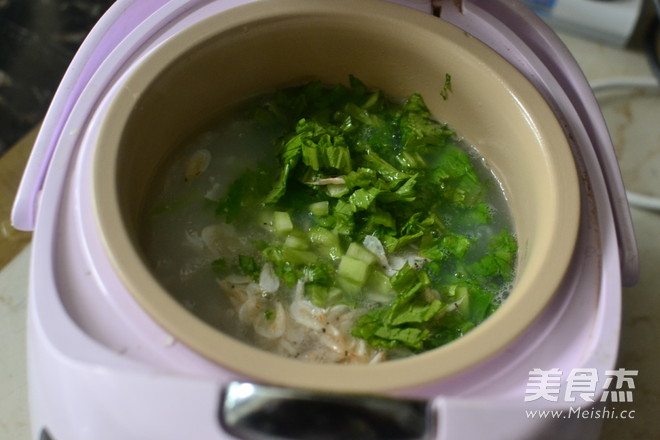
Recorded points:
549,229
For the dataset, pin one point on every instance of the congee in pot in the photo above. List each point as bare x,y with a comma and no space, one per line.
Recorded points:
332,223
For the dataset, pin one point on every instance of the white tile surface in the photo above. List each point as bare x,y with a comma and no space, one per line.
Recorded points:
641,311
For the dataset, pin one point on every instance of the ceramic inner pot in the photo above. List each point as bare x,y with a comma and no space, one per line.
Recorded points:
168,95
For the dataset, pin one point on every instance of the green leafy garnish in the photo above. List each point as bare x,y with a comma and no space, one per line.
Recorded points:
248,266
446,88
356,173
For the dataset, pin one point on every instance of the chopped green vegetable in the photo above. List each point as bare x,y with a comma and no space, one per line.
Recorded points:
295,242
353,269
244,196
499,261
326,241
351,164
357,251
379,283
282,222
446,88
320,209
318,274
248,266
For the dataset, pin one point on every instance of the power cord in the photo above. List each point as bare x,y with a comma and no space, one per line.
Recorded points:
635,199
651,48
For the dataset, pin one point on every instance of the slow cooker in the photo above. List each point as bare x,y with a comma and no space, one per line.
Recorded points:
108,359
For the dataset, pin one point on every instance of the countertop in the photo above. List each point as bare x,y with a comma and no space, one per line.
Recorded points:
636,132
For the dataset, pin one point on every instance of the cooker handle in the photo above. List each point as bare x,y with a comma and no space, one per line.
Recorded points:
261,412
